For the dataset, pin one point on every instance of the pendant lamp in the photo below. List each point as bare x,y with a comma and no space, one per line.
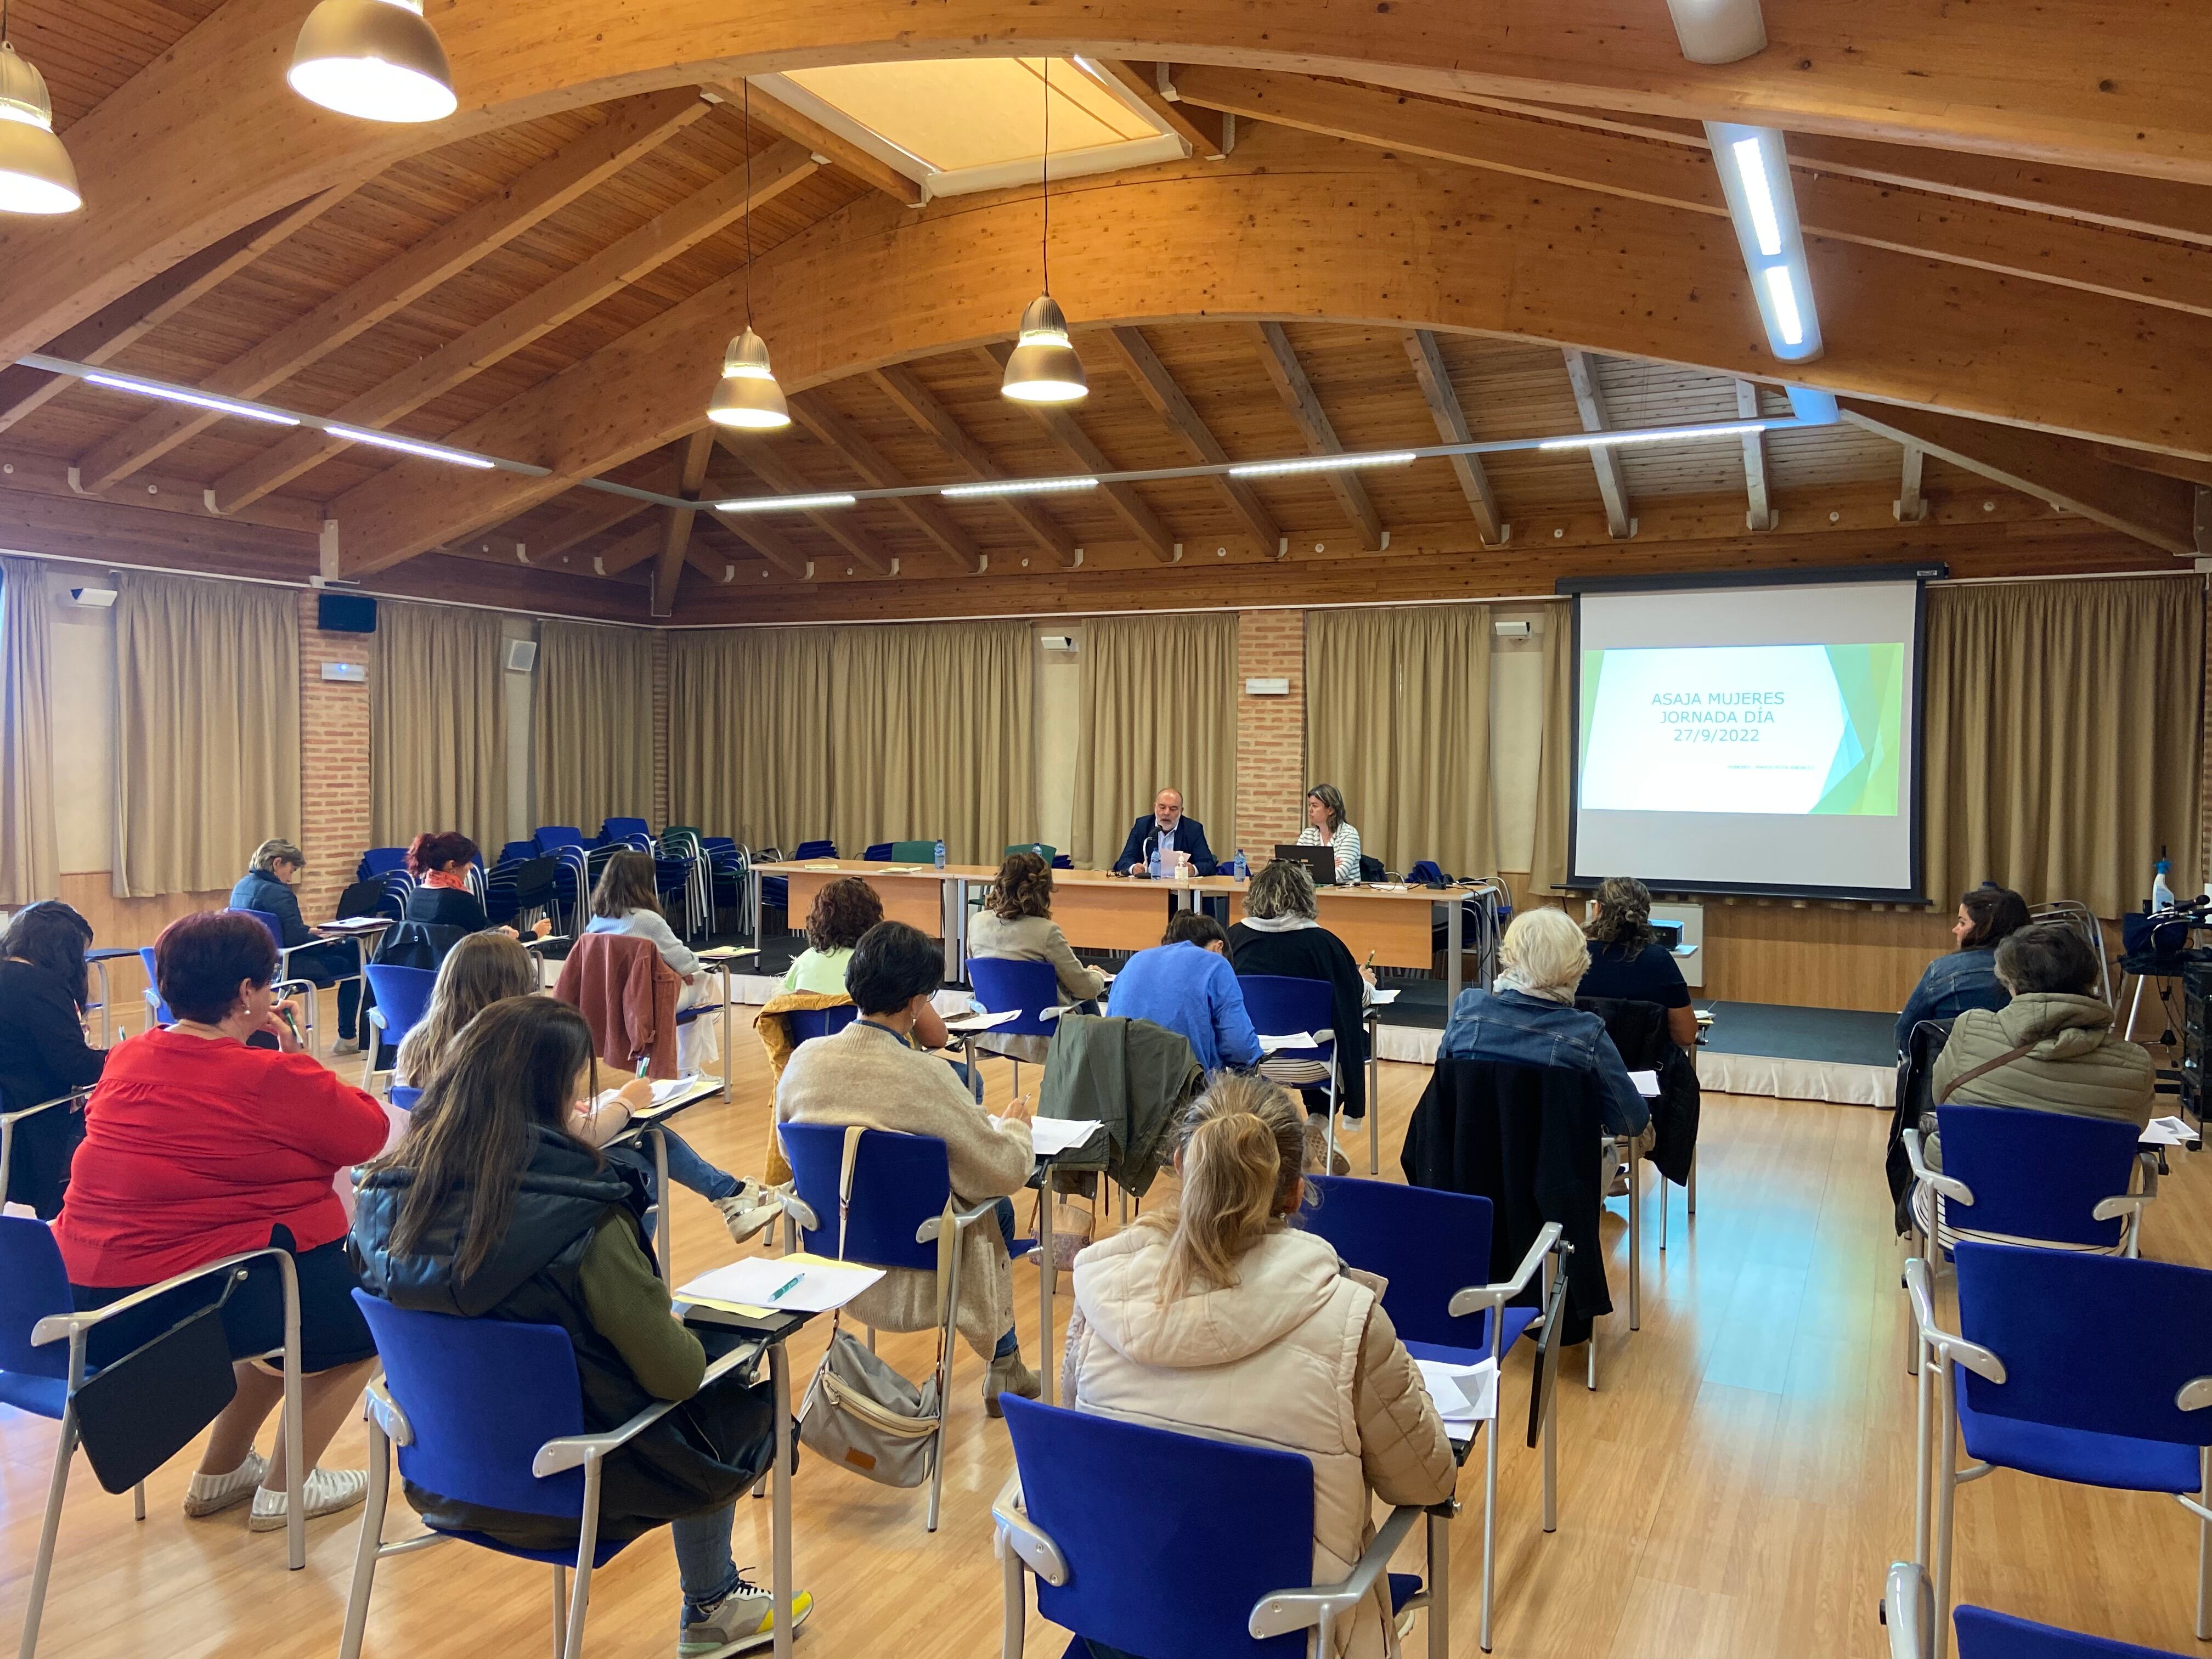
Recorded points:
376,59
35,174
748,398
1042,367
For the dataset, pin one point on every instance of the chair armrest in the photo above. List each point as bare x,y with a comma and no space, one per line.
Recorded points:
57,1328
2194,1395
569,1450
388,1417
1475,1298
1908,1608
1032,1546
801,1212
70,1098
1283,1611
1956,1191
1946,1345
962,1221
2109,1209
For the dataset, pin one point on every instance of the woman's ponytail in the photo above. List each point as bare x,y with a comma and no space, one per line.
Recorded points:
1240,1149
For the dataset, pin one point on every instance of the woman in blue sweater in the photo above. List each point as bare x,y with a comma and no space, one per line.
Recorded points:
1185,983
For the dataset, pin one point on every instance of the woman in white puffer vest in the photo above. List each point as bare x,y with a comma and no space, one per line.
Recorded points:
1220,1316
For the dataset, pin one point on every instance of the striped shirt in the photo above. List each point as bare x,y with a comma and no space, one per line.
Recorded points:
1345,845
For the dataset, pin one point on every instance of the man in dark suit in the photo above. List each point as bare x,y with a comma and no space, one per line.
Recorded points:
1167,829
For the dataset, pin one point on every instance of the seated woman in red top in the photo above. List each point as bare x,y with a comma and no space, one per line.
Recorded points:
196,1147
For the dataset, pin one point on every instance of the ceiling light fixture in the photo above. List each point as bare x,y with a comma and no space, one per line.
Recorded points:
176,394
429,451
35,172
1321,463
1754,172
377,60
747,398
1718,31
1657,434
1015,486
1043,368
787,503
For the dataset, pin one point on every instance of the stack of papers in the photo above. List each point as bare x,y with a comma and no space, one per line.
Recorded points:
670,1089
725,953
1271,1045
2168,1131
1384,999
1647,1083
1051,1136
981,1021
800,1283
360,921
1464,1394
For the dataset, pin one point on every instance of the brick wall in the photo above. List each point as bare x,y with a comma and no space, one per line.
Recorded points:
334,763
660,795
1271,732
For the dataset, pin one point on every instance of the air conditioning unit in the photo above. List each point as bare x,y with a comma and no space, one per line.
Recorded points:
1058,642
1509,630
521,656
93,599
346,673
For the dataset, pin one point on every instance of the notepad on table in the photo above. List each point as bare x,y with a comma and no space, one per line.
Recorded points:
1270,1045
672,1088
981,1021
2168,1131
1462,1394
819,863
1647,1083
1050,1136
725,953
800,1283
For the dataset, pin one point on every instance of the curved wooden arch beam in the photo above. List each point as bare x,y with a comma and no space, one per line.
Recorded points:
1292,226
168,168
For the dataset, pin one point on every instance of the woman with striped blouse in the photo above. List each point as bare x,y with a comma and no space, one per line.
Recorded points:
1325,827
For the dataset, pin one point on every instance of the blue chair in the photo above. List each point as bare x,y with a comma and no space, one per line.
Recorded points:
1002,982
1908,1608
402,1097
878,851
43,1362
776,890
885,1207
289,984
624,830
402,999
156,1008
488,1411
805,1025
379,861
1433,1249
1280,1006
2032,1397
2035,1177
1214,1560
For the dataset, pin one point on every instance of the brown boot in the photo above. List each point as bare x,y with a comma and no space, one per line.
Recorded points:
1008,1376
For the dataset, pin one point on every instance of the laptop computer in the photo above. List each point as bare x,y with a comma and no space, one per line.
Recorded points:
1320,861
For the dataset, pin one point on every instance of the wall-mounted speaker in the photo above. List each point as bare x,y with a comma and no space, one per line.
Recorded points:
345,613
521,656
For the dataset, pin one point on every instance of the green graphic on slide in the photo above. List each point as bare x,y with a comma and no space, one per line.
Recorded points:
1863,779
1593,667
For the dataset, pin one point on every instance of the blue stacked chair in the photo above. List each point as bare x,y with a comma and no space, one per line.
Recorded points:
775,891
1908,1608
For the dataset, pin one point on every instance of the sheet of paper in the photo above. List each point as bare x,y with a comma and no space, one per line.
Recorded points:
1463,1394
819,863
743,1309
669,1088
907,869
2168,1131
361,922
1647,1083
1053,1135
725,953
788,1284
982,1022
1384,999
1269,1045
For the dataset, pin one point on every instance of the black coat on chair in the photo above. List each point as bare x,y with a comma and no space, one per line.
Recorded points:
1916,1097
1638,1030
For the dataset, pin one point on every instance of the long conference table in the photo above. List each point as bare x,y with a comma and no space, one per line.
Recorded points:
1100,911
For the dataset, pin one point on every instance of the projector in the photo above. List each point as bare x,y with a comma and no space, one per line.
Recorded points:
93,599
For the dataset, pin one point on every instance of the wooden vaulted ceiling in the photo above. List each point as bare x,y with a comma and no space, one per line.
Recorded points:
2020,342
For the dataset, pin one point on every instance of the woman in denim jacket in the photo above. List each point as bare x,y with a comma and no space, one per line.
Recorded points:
1531,1019
1967,977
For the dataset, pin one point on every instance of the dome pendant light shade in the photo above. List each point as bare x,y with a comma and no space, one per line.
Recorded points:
748,397
1043,368
35,174
376,59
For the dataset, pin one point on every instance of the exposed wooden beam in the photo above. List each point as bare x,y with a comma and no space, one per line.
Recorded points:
1761,514
1589,404
600,512
921,405
122,323
1067,433
924,513
1844,207
838,524
1168,401
568,295
676,533
1911,506
833,147
634,549
1208,132
2067,473
631,131
1435,382
164,493
2149,460
1281,363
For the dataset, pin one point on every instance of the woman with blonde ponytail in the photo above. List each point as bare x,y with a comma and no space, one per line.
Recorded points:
1219,1313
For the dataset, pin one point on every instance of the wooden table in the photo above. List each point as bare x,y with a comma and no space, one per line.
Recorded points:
919,895
1396,924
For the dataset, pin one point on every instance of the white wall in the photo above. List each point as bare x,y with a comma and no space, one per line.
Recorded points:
520,691
81,662
1059,721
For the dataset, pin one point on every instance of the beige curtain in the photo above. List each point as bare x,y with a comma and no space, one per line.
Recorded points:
30,853
1158,710
437,726
1398,718
1555,764
594,726
857,734
207,730
2063,737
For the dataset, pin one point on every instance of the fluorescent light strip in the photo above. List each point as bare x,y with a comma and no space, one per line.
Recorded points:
1781,289
783,503
1015,486
1321,463
1661,434
429,451
1758,195
198,399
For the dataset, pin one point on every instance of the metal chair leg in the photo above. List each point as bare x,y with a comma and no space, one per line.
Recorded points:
587,1540
1947,1494
2204,1547
560,1610
370,1542
1693,1187
64,1449
1924,1387
947,1335
1489,1524
1635,1240
138,1502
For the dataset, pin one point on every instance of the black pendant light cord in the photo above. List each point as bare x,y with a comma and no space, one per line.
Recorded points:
1046,177
748,87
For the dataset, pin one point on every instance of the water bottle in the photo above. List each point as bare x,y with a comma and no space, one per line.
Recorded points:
940,854
2162,890
1239,868
1152,864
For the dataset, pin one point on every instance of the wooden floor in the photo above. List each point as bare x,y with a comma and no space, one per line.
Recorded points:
1738,1486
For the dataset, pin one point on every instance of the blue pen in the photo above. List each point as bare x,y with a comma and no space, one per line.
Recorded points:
778,1294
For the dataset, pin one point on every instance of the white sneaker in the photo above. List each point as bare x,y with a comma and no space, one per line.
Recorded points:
345,1046
748,1210
211,1494
329,1491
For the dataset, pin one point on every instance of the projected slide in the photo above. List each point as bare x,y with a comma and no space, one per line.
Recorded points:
1762,728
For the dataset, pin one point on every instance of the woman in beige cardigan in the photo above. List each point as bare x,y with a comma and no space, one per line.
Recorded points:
872,1074
1221,1315
1016,923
